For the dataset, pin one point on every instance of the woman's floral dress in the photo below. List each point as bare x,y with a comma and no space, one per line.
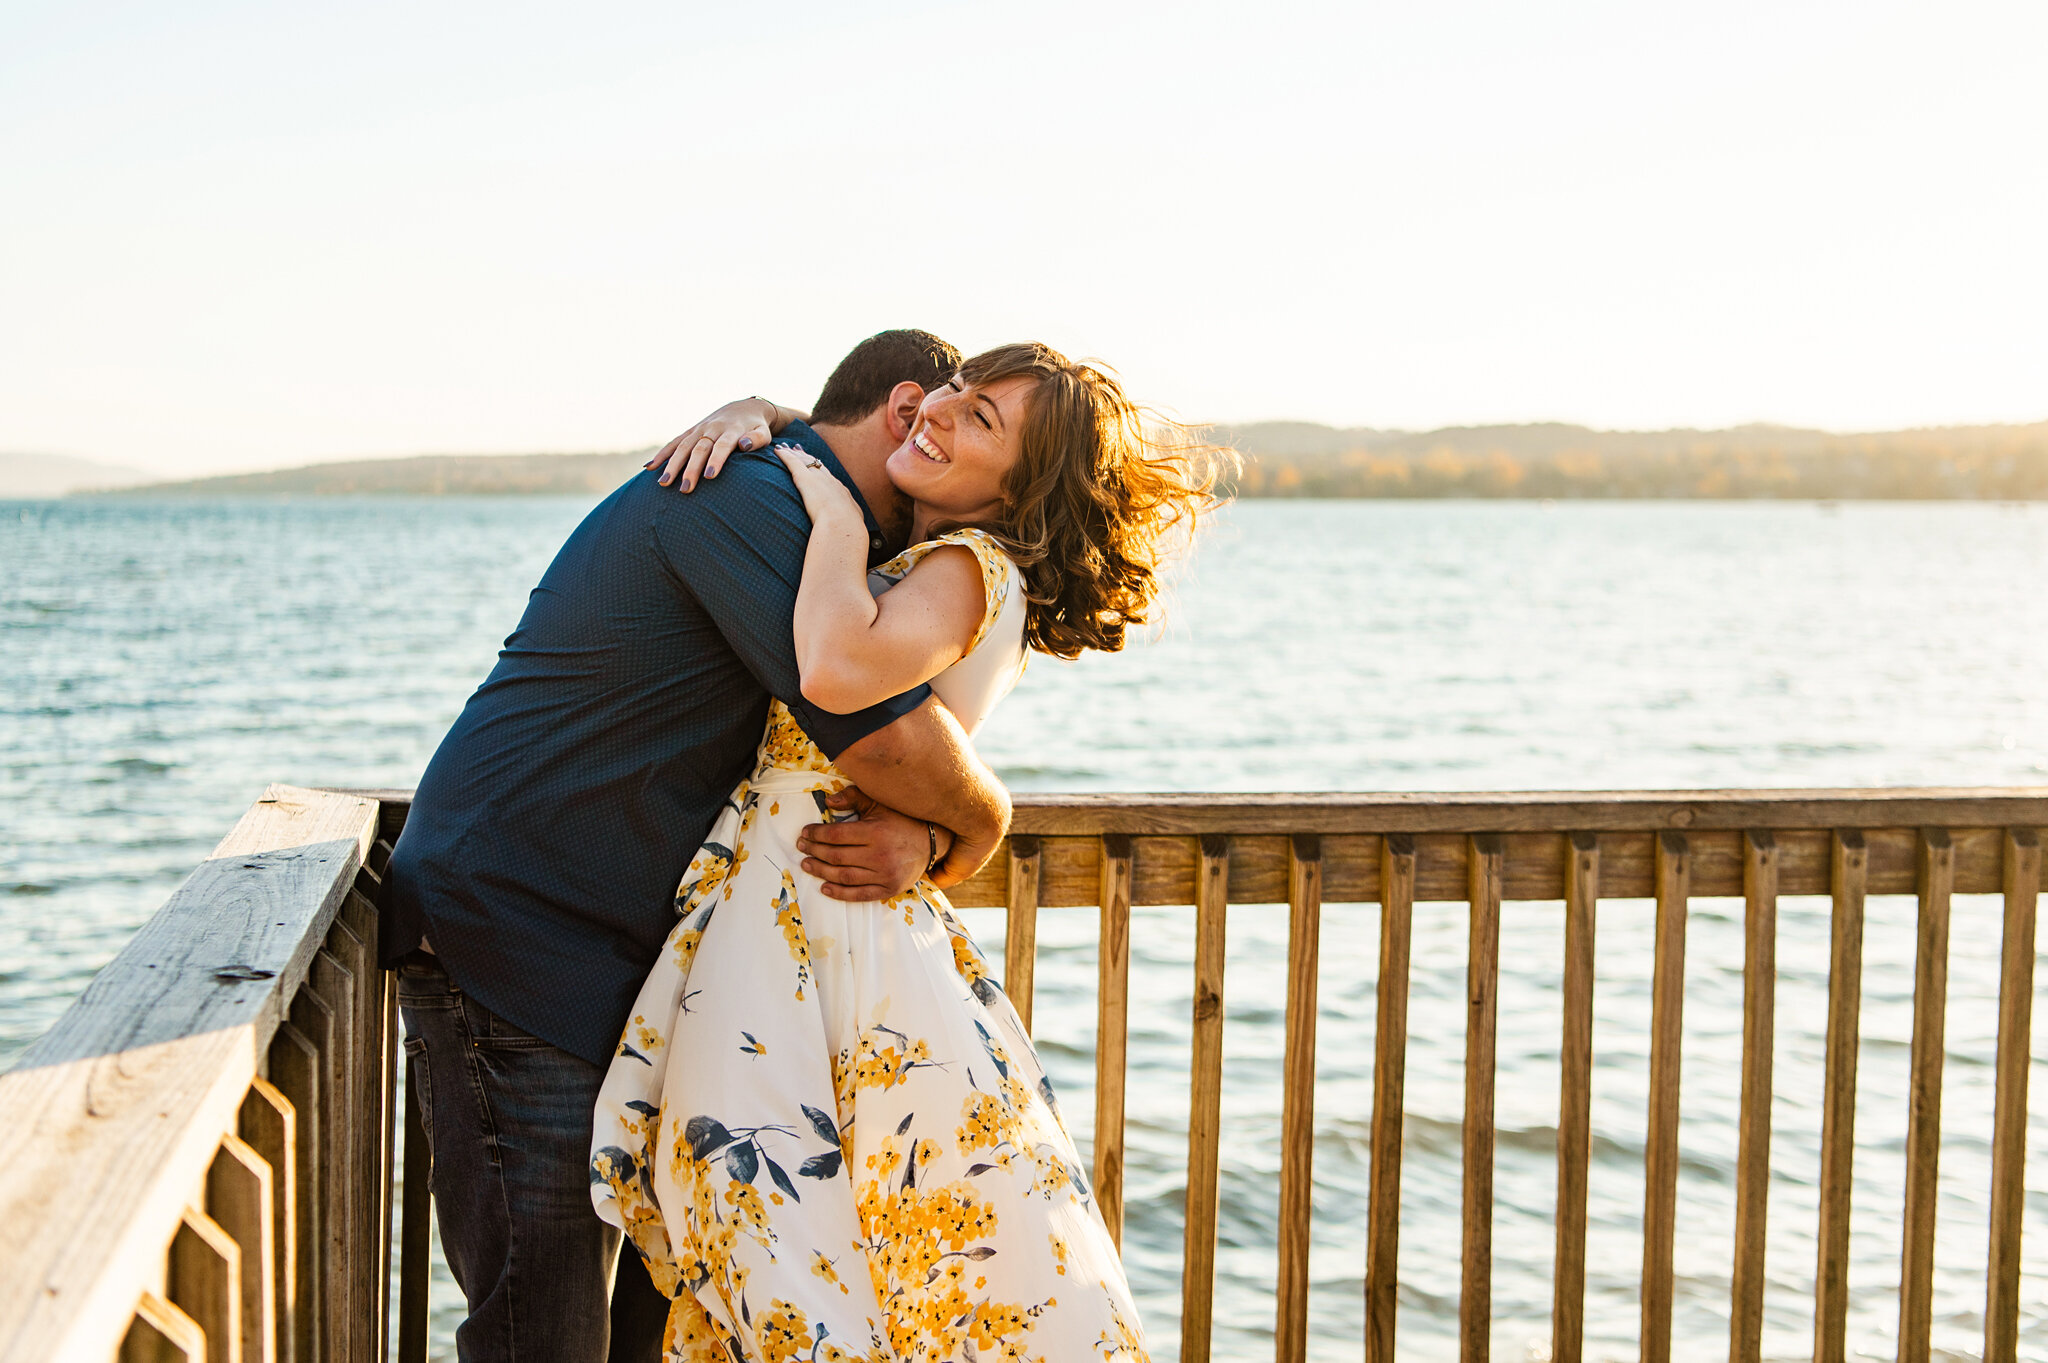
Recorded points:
825,1128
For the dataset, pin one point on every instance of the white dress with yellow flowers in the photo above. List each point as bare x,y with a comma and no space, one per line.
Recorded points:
825,1128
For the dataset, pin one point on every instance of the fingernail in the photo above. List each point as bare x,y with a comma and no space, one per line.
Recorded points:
688,485
747,443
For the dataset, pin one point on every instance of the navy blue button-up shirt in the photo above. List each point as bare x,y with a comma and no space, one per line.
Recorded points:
550,829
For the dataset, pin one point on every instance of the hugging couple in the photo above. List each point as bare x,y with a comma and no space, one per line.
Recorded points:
667,912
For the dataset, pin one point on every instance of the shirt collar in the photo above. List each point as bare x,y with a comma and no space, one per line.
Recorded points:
800,434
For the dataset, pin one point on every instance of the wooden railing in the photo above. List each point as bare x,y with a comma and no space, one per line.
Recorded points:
195,1161
198,1158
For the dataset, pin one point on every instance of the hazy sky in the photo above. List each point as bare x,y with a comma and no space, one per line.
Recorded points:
240,235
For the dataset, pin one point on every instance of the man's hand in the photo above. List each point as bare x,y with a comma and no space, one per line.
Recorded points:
875,856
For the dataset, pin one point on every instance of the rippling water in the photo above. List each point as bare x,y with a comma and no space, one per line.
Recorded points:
163,661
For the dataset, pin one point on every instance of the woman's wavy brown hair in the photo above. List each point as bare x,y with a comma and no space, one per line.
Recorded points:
1101,494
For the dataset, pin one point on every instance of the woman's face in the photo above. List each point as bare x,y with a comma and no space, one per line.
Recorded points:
962,445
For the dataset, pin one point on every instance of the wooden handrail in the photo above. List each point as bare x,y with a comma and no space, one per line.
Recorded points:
110,1122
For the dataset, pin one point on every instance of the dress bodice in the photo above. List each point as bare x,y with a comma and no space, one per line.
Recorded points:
970,687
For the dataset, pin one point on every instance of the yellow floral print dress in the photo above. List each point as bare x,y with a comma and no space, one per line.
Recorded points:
825,1129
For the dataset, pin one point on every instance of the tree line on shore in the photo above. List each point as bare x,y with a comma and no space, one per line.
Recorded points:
1296,459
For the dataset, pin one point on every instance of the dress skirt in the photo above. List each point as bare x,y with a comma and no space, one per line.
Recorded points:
828,1135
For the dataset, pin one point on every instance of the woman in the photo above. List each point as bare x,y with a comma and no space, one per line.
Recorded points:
825,1128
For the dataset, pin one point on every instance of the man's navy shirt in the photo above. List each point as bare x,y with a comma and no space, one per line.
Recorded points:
549,832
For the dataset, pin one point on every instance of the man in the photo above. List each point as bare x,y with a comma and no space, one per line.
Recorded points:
533,885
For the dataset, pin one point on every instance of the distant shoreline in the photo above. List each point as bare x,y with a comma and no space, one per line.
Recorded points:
1545,461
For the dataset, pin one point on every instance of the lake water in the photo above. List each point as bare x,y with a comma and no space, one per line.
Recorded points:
162,661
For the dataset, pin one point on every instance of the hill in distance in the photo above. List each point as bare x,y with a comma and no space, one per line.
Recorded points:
55,475
1302,459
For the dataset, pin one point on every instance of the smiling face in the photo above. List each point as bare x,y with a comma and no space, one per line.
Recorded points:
961,447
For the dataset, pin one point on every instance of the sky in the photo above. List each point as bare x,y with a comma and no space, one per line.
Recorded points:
240,236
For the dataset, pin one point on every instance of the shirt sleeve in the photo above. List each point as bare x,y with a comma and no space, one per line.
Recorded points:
737,544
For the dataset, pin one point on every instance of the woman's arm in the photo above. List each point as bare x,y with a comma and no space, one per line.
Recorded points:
702,450
852,650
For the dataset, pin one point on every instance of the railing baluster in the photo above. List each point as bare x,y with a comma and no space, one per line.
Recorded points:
1390,1060
239,1200
1482,985
1575,1100
1660,1157
1753,1140
365,1056
1020,926
1298,1103
2022,877
1923,1121
161,1333
380,1041
268,1123
1205,1105
296,1067
1849,870
1112,1030
205,1282
331,985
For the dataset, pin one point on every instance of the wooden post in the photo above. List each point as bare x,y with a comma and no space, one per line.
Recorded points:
1923,1120
1667,1031
1575,1099
1753,1147
1482,1005
239,1201
332,985
1848,872
1297,1104
1390,1058
1205,1103
161,1333
298,1068
1112,1030
2022,876
1020,926
270,1126
205,1282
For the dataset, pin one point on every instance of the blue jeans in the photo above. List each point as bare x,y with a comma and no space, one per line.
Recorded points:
508,1120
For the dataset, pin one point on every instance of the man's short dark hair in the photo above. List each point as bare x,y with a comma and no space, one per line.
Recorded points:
863,380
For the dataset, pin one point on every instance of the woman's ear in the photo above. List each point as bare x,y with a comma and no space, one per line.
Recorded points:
901,409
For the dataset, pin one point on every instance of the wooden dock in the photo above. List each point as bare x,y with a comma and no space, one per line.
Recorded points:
197,1161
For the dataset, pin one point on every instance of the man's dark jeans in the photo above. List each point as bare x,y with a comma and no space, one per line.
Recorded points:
508,1118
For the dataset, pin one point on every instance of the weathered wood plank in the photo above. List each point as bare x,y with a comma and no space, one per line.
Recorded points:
204,1280
1112,1030
1660,1158
1020,927
298,1068
1753,1138
1390,1060
1205,1102
1482,1006
1838,1098
239,1201
122,1103
332,985
1575,1101
1298,1104
269,1124
2009,1109
161,1333
1923,1119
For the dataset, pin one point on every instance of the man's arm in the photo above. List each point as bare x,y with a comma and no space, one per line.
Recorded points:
921,770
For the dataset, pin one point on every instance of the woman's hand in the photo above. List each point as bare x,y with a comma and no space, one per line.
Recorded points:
701,451
825,497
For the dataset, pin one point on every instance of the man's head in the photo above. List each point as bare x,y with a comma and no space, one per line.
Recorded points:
874,369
